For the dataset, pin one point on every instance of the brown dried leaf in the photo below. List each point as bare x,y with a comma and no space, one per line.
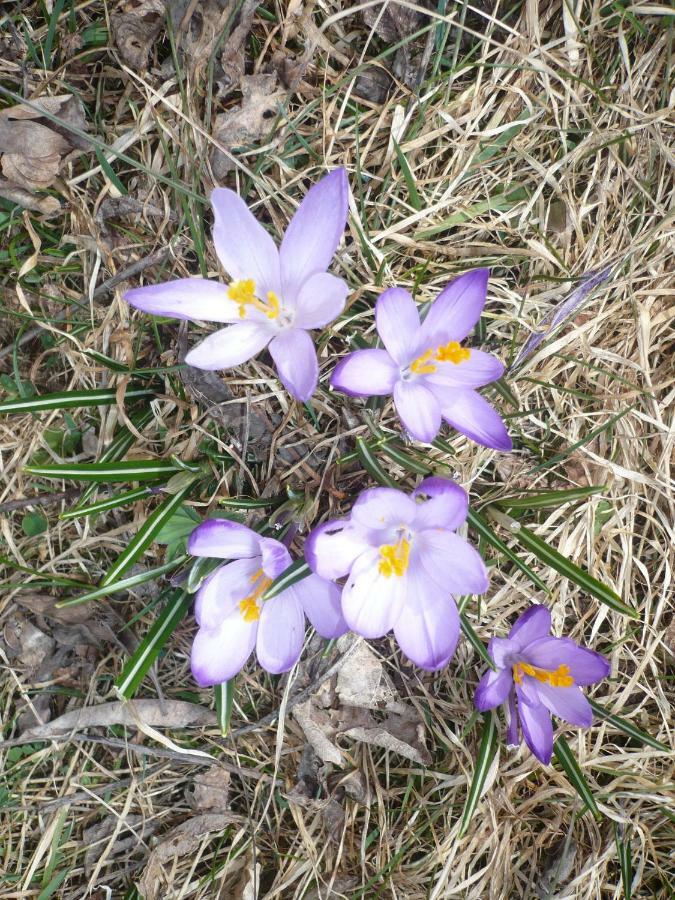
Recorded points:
47,206
363,682
25,643
398,733
135,28
210,790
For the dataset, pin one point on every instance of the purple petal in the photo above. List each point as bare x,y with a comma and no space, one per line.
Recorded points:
223,590
365,373
427,628
332,548
534,623
243,246
503,652
223,539
322,602
383,507
537,728
473,416
493,689
456,309
586,666
320,300
450,561
398,323
446,507
295,358
481,368
230,346
196,299
512,730
275,557
418,409
567,703
314,232
219,653
281,631
371,602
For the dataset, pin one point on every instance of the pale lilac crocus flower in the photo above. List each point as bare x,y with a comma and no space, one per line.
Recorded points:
545,674
431,376
275,297
234,619
404,565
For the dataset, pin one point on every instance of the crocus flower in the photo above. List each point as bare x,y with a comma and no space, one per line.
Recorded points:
431,376
404,565
275,296
233,618
545,674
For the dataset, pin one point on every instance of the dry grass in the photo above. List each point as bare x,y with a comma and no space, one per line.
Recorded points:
544,137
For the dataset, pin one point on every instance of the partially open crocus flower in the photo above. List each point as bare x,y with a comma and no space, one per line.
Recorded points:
275,296
404,565
431,376
545,674
232,616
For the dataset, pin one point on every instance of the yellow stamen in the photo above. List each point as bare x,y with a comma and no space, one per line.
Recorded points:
243,294
453,352
421,365
395,557
248,607
559,678
250,611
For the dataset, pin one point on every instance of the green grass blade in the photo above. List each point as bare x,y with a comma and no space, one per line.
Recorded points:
405,460
250,502
102,472
372,465
146,534
623,850
475,641
124,584
549,499
137,666
71,400
294,573
224,700
415,200
576,777
486,752
114,502
628,727
479,524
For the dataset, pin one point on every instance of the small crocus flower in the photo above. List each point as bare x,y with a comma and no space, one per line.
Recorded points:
545,674
431,376
275,296
232,616
404,565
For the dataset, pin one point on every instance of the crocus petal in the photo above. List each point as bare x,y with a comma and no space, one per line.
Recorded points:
398,322
321,601
230,346
314,232
567,703
469,413
383,507
365,373
320,300
503,652
427,628
196,299
456,309
275,557
586,666
295,358
418,409
493,689
440,504
223,590
537,728
371,602
481,368
451,562
223,539
534,623
219,653
243,246
281,631
332,548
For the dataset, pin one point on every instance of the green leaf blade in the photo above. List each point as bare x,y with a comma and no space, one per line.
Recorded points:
571,767
486,753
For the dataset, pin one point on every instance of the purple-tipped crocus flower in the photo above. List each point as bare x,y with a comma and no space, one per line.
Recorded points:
275,296
403,564
545,674
233,618
431,376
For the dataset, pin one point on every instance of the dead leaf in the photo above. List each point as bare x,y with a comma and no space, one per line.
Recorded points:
47,206
319,730
394,23
557,869
135,28
210,790
135,827
400,734
248,886
25,643
363,682
166,714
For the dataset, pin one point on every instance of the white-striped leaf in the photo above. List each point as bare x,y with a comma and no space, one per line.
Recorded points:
575,776
71,399
486,752
103,472
124,584
294,573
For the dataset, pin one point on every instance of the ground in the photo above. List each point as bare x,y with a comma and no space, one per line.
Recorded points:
530,138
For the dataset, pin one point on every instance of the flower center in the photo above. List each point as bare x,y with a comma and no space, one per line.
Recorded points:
394,558
425,364
248,607
243,294
559,678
